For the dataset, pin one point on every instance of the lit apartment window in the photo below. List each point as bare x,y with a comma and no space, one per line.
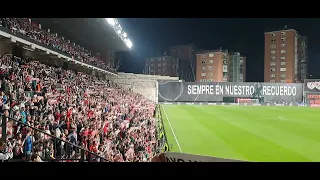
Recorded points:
273,34
211,61
273,46
273,52
203,56
283,39
282,63
211,55
159,64
272,75
210,80
210,74
225,62
210,68
273,40
272,63
203,74
204,80
283,45
283,75
283,69
273,58
164,59
283,33
282,57
203,62
203,68
152,59
163,64
272,69
283,81
272,81
283,51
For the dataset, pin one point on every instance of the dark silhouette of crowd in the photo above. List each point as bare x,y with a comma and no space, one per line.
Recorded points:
82,109
26,27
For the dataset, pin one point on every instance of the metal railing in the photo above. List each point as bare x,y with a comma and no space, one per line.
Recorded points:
83,154
163,142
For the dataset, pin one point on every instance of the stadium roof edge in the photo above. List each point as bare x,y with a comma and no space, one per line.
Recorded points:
14,38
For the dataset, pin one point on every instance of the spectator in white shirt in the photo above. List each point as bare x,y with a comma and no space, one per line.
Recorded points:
5,153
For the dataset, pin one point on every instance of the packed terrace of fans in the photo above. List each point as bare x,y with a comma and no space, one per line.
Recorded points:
96,114
31,29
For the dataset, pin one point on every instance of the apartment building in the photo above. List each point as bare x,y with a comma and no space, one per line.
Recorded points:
285,59
163,65
220,66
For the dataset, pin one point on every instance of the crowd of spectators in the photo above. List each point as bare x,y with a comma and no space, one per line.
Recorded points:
32,30
85,110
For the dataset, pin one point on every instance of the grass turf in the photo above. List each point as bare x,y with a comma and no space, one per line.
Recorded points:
256,133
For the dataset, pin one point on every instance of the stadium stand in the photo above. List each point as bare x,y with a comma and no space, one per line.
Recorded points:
52,113
25,27
97,115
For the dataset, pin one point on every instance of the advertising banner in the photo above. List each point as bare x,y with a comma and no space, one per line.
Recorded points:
215,92
313,99
312,85
183,157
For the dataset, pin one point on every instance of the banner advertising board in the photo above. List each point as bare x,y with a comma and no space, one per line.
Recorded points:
312,99
215,92
312,85
183,157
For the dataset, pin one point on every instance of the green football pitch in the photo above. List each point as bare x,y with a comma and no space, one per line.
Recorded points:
251,133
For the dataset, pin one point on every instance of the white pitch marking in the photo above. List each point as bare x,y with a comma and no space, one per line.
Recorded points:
174,135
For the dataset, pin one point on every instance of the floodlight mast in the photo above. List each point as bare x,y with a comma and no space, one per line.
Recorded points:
118,29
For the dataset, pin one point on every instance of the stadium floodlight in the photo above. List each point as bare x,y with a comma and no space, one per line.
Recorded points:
111,21
129,44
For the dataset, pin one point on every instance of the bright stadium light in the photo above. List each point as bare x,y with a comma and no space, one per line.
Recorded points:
111,21
115,25
129,44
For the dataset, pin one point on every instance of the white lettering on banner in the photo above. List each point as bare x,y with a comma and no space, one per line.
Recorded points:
200,89
239,90
182,157
236,90
178,160
279,90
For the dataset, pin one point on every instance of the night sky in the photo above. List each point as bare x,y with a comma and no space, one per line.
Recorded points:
151,36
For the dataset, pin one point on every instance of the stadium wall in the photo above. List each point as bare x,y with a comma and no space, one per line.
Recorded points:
145,85
218,92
